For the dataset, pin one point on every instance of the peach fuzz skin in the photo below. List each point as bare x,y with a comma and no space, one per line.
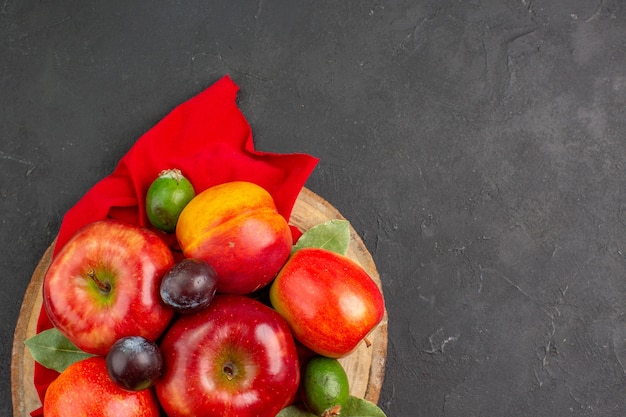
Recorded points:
236,228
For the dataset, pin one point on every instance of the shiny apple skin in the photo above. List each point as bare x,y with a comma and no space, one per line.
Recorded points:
85,389
234,333
236,228
128,258
330,302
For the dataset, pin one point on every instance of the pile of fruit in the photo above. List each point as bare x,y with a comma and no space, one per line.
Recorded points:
212,310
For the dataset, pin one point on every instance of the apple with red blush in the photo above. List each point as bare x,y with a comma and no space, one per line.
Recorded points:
329,300
237,358
103,285
85,389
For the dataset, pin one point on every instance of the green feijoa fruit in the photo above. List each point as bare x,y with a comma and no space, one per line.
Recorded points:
325,386
166,198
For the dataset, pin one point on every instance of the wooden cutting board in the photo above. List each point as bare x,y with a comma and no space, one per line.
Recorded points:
365,366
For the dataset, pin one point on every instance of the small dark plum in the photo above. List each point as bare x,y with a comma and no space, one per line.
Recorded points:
189,286
134,363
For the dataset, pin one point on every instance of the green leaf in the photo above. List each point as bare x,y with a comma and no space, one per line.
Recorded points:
333,235
53,350
356,407
294,411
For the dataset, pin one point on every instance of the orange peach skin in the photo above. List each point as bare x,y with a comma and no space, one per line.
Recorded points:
236,228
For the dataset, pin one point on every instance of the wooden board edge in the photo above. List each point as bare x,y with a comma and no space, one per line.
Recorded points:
21,361
22,364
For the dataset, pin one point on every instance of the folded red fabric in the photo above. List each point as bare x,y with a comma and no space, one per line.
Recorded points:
209,139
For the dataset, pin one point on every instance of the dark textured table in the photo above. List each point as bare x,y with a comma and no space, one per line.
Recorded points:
477,147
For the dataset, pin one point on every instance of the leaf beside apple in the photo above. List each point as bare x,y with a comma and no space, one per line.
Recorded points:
356,407
53,350
332,235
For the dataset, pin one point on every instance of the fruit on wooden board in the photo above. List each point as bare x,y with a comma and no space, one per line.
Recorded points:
226,354
104,285
85,389
189,286
329,301
134,363
325,386
236,228
237,358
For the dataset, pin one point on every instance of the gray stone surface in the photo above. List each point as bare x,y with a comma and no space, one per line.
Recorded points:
477,147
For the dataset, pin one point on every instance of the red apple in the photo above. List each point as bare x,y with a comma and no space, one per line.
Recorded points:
330,302
85,389
104,285
237,358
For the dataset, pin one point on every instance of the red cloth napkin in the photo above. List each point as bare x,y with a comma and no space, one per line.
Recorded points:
208,138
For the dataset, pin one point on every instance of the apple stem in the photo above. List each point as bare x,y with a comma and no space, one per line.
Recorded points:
368,343
103,286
